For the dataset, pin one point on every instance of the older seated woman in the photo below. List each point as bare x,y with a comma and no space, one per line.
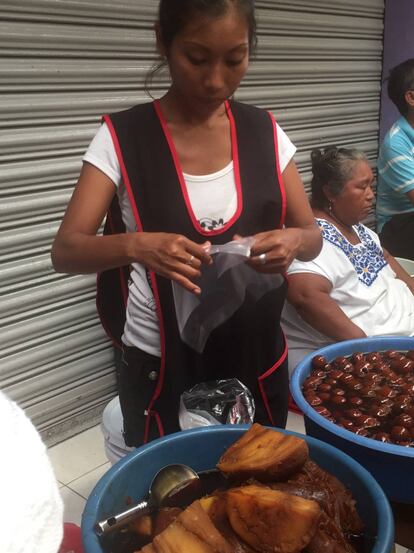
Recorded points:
354,288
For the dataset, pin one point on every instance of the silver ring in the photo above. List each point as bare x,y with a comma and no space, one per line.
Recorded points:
262,258
190,261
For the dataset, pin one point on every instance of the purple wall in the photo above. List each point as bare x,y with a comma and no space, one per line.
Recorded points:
398,46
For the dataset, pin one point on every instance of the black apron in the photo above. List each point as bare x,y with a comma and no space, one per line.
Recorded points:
250,345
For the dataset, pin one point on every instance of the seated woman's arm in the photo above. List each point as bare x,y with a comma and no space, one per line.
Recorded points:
310,295
399,271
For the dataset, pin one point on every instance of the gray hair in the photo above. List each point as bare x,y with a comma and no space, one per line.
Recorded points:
332,168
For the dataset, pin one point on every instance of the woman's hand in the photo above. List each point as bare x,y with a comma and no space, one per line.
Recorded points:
171,255
78,249
274,251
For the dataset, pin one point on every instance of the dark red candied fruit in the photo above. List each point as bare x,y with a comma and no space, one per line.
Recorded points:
374,378
349,425
408,388
382,437
312,383
336,374
347,367
353,414
373,357
402,402
402,366
405,420
355,401
387,392
361,431
385,401
346,377
324,387
370,391
319,362
395,380
367,422
337,399
400,433
389,354
339,361
314,400
361,369
380,411
370,394
357,356
355,386
323,411
409,410
319,374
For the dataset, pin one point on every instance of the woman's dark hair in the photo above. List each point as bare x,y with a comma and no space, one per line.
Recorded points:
400,81
173,16
332,168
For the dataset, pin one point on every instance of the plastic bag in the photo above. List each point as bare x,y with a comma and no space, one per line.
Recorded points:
224,285
216,402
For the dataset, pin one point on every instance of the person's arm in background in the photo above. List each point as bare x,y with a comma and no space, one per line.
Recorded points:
310,296
300,239
410,194
399,271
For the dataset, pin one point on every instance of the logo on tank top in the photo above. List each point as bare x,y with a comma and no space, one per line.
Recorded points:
211,224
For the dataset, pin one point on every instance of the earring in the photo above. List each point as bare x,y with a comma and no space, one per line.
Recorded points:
330,207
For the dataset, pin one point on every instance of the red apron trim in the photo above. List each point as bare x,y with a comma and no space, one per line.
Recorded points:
279,173
147,424
137,218
125,176
268,373
181,179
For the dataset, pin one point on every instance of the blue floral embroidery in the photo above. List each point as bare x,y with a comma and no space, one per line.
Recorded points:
366,257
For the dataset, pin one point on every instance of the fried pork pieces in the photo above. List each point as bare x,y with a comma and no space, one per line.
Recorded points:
310,511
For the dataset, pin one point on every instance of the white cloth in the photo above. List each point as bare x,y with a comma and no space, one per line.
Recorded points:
31,509
363,285
213,199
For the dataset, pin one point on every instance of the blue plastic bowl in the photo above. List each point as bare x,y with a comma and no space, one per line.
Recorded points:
392,465
201,449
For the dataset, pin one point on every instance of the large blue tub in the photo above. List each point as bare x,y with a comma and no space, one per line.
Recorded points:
391,465
201,449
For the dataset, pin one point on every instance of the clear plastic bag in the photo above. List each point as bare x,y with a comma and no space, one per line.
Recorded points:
224,285
216,402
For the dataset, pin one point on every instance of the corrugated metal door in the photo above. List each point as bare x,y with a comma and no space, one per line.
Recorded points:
64,63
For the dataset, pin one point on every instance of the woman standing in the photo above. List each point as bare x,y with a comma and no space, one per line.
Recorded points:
191,169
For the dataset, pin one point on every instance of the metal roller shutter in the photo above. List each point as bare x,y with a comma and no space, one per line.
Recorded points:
63,64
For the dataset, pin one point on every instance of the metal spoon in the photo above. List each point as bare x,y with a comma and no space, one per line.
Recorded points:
167,480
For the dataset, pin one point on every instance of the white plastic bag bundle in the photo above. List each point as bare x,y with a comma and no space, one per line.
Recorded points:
226,401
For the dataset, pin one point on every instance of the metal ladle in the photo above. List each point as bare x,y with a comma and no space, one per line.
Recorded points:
167,480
